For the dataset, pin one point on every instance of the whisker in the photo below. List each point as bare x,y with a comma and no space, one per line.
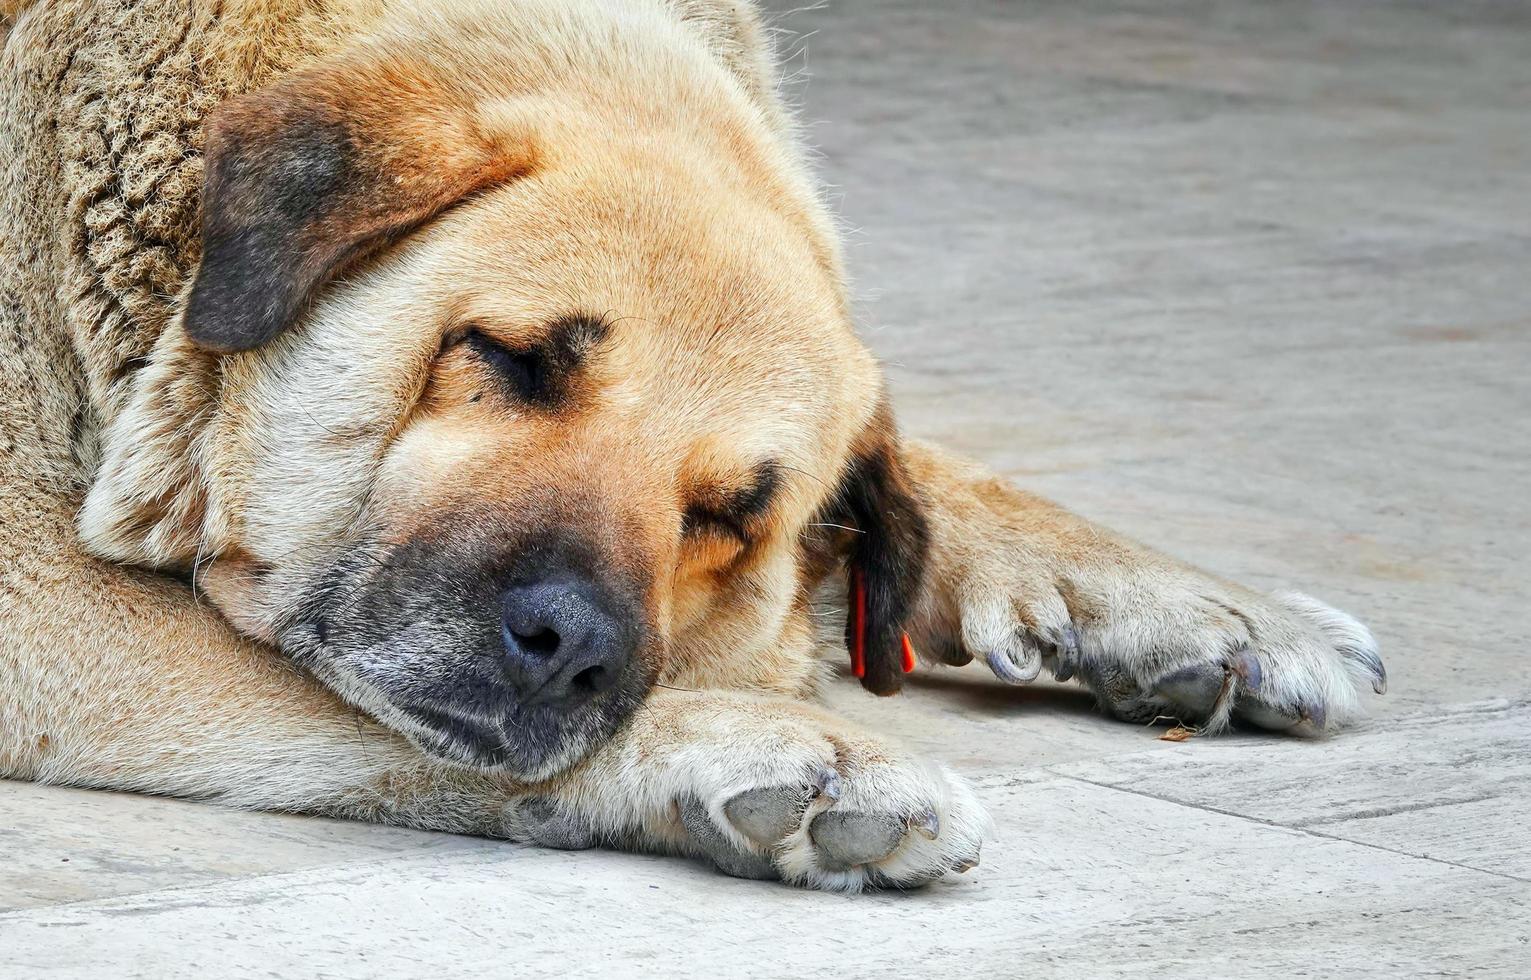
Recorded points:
853,530
812,476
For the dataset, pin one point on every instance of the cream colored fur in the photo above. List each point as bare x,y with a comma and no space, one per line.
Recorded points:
126,470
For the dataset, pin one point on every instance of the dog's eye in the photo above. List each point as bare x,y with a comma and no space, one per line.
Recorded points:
523,372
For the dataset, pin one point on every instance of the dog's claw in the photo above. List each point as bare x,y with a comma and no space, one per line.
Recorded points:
1067,652
1007,670
1247,666
1370,660
926,824
827,784
846,840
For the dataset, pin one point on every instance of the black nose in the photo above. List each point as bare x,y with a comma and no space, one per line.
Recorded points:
562,646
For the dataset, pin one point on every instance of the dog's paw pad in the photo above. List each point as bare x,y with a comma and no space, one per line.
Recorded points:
766,816
1308,719
845,840
539,821
727,856
1194,689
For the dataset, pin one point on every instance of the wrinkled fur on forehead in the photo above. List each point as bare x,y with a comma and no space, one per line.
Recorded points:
158,499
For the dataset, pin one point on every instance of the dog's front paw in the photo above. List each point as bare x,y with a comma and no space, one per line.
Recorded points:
855,813
1156,641
1289,663
1025,586
762,788
1303,670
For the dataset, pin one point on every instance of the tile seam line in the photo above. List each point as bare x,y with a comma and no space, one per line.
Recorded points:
1300,830
1375,814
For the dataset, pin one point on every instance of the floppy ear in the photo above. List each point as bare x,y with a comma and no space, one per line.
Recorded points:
736,34
314,172
886,559
302,178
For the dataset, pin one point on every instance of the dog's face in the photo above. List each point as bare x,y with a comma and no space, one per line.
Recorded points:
573,428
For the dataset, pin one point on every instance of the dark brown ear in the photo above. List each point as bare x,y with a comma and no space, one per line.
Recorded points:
886,553
310,174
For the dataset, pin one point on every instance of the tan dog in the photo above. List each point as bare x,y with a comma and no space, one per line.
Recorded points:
491,362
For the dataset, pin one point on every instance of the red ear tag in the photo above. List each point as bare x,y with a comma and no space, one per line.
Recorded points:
908,655
858,613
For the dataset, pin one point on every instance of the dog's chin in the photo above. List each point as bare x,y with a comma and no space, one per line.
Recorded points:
522,762
525,746
476,723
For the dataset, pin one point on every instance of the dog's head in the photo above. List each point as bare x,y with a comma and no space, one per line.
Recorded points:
500,397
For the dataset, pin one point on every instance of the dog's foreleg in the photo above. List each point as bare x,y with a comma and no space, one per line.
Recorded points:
1024,585
146,691
116,679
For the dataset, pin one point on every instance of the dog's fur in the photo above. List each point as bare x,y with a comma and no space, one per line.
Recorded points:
258,263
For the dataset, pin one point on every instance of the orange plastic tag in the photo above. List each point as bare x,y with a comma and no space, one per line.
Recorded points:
858,616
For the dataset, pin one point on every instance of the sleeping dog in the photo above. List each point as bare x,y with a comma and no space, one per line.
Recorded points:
447,413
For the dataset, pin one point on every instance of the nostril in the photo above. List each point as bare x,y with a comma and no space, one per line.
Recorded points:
591,680
542,642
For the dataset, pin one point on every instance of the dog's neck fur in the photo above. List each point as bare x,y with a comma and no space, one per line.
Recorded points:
111,146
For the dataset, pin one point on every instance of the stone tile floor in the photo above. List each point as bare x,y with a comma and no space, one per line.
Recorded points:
1246,280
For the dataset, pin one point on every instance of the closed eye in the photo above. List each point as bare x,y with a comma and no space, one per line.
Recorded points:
736,511
547,371
523,373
